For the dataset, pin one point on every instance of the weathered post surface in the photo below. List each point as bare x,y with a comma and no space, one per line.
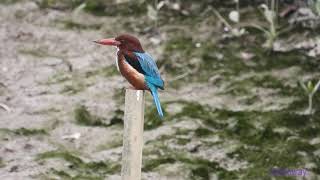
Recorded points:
133,135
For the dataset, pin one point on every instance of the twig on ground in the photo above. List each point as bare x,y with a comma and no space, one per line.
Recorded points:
5,107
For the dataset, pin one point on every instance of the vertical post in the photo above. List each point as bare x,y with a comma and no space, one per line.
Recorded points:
133,135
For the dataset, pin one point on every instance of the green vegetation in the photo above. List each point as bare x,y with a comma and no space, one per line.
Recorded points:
310,89
59,77
315,6
105,72
98,7
9,1
83,170
271,31
200,168
152,120
261,143
69,24
24,131
35,52
117,142
251,68
83,117
73,88
2,164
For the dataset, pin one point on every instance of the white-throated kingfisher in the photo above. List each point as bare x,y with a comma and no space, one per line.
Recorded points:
137,66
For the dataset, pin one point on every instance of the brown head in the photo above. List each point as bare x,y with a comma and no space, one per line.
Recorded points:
124,42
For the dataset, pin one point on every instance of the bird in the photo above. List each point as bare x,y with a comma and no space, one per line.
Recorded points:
136,66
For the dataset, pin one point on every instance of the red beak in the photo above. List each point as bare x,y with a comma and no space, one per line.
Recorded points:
109,42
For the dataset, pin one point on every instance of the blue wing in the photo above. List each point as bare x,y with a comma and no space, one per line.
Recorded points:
150,69
152,77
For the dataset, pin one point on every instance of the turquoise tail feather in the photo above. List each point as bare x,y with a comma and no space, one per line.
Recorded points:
154,93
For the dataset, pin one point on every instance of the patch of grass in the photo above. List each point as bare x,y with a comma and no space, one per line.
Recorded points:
116,142
24,131
117,117
84,170
202,132
201,172
152,119
74,87
263,147
260,144
180,43
2,164
119,96
58,4
107,71
66,175
195,110
183,141
83,117
62,174
200,168
71,89
98,7
35,52
245,129
263,159
69,24
9,1
153,163
182,131
183,48
101,8
59,77
110,145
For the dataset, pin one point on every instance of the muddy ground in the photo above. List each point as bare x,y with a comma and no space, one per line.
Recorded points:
233,109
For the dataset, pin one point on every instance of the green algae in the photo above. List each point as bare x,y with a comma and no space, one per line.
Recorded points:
2,164
261,145
9,1
152,119
195,110
84,170
69,24
117,117
199,168
59,77
202,132
24,131
266,148
152,164
97,7
115,143
73,88
41,53
107,71
78,82
83,117
182,141
224,57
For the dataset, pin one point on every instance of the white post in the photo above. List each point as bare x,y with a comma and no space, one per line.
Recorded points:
133,135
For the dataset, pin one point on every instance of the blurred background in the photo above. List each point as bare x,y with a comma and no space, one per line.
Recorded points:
240,99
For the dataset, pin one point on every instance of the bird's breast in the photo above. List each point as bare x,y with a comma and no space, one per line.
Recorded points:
135,78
